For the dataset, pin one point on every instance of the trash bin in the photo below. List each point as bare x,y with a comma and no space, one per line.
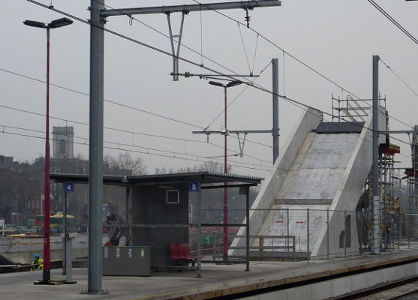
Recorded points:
127,261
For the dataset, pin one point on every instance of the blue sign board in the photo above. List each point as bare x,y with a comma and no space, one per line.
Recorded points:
69,187
194,187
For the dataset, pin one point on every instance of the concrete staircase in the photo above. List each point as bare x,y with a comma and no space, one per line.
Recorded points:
319,176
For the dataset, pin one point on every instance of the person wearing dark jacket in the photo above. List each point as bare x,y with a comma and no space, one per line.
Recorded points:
114,229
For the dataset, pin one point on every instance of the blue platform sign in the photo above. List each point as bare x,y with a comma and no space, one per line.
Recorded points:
194,187
69,187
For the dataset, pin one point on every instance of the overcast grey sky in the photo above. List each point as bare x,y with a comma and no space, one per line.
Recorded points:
336,37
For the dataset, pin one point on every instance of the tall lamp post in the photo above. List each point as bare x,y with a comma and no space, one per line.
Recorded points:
225,206
46,278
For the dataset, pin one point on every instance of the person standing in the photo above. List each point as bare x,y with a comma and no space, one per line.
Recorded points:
114,229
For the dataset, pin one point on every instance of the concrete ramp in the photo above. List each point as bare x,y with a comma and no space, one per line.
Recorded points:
313,190
317,170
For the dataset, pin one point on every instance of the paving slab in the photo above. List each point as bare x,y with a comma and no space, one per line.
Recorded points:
217,280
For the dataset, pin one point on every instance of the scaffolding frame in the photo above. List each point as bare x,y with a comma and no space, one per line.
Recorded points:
350,109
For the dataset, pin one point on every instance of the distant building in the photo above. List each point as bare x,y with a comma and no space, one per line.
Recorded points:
63,142
6,162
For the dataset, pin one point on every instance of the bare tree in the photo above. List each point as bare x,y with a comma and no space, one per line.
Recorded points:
125,161
207,166
214,167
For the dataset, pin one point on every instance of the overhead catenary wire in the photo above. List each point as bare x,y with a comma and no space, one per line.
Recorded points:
245,49
125,131
105,127
396,23
237,96
132,18
106,100
399,77
279,47
272,43
285,52
202,66
159,150
255,53
286,98
117,104
191,158
84,140
176,155
197,64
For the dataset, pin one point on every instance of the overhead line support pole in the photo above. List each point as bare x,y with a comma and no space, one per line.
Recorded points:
375,171
275,131
96,147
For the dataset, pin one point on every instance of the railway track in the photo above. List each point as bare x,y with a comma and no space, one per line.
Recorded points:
402,289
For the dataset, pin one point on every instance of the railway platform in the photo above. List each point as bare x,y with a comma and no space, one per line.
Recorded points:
265,280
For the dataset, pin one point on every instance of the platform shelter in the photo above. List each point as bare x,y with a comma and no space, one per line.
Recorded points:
159,209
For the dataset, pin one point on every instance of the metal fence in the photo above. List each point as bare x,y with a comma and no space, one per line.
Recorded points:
279,234
306,233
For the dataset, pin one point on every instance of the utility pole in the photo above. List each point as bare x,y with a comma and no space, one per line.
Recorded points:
415,163
275,132
98,15
375,171
96,147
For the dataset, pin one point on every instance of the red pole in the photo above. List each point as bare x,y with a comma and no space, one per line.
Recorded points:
47,205
225,233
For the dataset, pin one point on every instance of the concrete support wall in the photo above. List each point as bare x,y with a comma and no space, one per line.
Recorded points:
273,183
349,192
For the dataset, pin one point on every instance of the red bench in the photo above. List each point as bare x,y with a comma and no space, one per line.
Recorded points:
182,253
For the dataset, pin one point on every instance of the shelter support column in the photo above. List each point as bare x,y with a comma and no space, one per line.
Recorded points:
129,214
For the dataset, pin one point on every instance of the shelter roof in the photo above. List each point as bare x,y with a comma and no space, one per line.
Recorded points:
158,179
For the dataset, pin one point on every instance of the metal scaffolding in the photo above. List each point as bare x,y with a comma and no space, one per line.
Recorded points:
350,109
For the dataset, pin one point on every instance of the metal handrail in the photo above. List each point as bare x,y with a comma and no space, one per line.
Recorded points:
262,247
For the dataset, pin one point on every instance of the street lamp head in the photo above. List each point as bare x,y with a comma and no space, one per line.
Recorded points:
233,83
228,85
216,83
54,24
35,24
60,23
